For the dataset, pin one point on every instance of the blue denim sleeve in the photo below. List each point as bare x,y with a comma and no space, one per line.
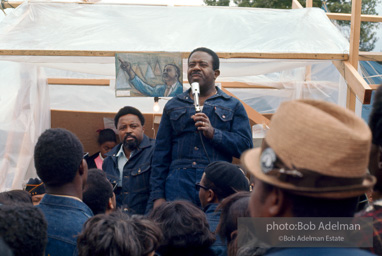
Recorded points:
239,138
161,158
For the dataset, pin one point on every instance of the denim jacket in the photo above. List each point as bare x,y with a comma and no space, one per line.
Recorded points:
65,217
178,145
213,217
135,191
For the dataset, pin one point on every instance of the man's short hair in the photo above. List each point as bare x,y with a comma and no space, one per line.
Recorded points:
118,234
98,191
215,58
24,229
57,155
106,135
129,110
15,196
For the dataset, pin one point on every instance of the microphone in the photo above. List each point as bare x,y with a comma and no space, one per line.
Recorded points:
195,92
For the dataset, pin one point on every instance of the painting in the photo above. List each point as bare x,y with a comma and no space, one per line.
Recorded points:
148,74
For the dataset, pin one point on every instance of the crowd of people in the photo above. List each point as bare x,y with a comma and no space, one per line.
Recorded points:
180,194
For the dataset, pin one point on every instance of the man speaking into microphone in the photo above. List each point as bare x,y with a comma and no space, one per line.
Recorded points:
189,139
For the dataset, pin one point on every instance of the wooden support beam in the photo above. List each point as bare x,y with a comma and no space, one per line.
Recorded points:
79,81
347,16
253,115
370,56
355,30
354,80
374,86
296,5
224,55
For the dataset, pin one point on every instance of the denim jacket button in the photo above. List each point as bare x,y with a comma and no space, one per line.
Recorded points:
194,163
196,148
223,116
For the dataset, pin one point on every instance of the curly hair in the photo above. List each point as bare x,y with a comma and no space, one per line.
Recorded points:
118,234
98,191
185,228
16,196
129,110
57,156
24,229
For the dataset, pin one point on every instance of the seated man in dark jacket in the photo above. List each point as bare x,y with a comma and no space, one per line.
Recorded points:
128,165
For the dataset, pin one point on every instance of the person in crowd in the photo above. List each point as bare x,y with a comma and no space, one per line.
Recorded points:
98,193
118,234
15,196
185,229
220,180
59,163
182,152
375,168
128,165
233,207
171,78
106,141
23,229
36,188
312,163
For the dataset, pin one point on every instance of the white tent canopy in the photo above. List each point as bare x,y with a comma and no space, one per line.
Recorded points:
79,30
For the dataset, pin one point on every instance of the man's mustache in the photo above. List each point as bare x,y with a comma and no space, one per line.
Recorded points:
129,135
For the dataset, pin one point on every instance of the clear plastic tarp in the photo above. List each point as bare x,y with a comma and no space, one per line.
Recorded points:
118,27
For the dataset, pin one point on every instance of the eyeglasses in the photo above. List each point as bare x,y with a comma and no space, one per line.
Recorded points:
198,186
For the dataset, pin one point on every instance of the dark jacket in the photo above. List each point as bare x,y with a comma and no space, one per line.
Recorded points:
179,159
65,217
132,197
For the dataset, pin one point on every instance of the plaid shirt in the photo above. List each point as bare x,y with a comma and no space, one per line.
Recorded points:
375,211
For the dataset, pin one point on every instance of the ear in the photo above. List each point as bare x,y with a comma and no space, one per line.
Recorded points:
217,73
210,196
276,203
143,128
110,205
83,167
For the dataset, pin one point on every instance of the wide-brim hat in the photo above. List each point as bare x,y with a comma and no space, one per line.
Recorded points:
316,149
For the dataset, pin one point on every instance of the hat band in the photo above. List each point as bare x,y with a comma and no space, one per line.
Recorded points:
311,179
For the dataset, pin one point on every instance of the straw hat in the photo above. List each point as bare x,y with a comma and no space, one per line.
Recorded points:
316,149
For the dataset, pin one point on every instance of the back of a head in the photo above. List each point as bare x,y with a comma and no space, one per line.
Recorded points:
24,229
232,208
15,196
98,191
225,179
316,153
58,155
118,234
185,228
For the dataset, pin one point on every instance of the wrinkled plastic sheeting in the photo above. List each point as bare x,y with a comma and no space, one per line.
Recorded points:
24,115
107,27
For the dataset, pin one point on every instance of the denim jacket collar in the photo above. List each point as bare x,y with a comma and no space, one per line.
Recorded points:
186,95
